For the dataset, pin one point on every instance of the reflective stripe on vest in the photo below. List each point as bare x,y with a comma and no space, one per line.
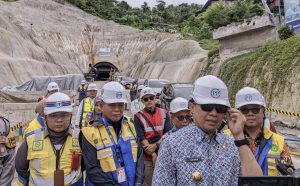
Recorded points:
42,160
35,124
159,126
106,150
88,106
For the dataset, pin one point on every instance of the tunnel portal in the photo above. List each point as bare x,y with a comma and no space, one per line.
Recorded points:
103,69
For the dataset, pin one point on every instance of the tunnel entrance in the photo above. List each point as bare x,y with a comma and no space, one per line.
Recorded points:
103,69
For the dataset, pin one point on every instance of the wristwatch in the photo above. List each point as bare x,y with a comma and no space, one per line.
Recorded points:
242,142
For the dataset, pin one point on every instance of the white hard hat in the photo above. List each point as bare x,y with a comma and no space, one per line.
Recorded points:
113,92
92,86
57,102
210,90
247,96
147,91
141,87
52,86
178,104
83,81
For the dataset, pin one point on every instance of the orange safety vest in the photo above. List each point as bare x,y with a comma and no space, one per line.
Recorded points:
158,122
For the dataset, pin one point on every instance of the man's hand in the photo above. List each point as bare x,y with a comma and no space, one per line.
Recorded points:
236,122
154,158
151,148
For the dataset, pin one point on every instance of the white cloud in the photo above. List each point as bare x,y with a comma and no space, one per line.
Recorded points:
138,3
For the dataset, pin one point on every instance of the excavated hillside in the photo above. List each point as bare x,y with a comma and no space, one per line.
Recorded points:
43,37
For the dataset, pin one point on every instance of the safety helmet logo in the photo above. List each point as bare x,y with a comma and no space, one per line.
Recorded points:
215,93
119,95
248,97
183,105
58,104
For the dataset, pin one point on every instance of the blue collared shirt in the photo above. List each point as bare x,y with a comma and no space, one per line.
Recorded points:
168,133
189,150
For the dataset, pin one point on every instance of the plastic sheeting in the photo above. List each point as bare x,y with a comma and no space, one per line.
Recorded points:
40,83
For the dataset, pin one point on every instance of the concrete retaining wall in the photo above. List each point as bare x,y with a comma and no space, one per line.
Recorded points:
236,39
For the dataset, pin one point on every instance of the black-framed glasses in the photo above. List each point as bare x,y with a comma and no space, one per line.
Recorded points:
255,110
222,109
182,117
149,98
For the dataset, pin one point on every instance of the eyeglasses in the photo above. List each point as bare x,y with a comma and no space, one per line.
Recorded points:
222,109
247,110
182,117
149,98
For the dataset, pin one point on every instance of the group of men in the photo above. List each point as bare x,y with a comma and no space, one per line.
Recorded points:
182,146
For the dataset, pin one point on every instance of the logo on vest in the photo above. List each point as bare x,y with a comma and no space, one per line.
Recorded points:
274,148
37,145
248,97
215,93
118,95
75,142
96,141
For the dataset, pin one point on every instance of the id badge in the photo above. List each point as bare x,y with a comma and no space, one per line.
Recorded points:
121,175
59,178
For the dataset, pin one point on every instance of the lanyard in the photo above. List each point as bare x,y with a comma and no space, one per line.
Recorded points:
59,152
115,143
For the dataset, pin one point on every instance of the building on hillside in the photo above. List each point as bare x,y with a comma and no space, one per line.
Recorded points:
237,39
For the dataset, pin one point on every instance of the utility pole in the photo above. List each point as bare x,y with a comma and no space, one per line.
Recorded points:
271,17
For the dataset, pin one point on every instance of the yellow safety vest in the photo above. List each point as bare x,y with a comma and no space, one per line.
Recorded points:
42,160
88,106
34,125
103,143
132,87
275,151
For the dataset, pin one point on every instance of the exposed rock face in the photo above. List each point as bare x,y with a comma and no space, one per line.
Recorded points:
43,37
178,61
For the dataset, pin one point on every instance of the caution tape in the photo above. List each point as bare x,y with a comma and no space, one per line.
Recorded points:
283,112
18,126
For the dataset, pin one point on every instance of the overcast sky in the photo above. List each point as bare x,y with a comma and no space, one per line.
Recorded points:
138,3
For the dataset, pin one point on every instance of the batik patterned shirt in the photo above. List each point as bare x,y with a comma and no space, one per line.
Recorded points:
191,150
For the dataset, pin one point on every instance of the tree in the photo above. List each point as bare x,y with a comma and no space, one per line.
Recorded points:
145,7
161,5
124,6
217,15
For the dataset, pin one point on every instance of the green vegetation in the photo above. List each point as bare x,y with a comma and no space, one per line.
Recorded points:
285,32
272,65
184,18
